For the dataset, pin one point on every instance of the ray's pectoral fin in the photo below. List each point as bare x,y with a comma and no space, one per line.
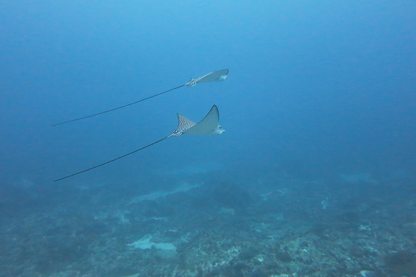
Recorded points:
216,76
207,126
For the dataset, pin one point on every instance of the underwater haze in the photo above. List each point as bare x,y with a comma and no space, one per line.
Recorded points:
313,176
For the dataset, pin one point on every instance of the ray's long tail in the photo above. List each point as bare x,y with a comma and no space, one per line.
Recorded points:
113,109
113,160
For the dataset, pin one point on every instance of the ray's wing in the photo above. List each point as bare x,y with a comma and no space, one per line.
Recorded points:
216,76
206,125
183,125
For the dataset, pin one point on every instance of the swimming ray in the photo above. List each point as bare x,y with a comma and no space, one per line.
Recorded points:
216,76
207,126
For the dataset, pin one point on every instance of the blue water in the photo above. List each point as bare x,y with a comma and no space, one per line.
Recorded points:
317,90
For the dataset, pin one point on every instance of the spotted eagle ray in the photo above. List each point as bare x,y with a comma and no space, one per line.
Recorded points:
207,126
216,76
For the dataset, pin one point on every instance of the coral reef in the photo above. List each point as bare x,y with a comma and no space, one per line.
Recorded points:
213,229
